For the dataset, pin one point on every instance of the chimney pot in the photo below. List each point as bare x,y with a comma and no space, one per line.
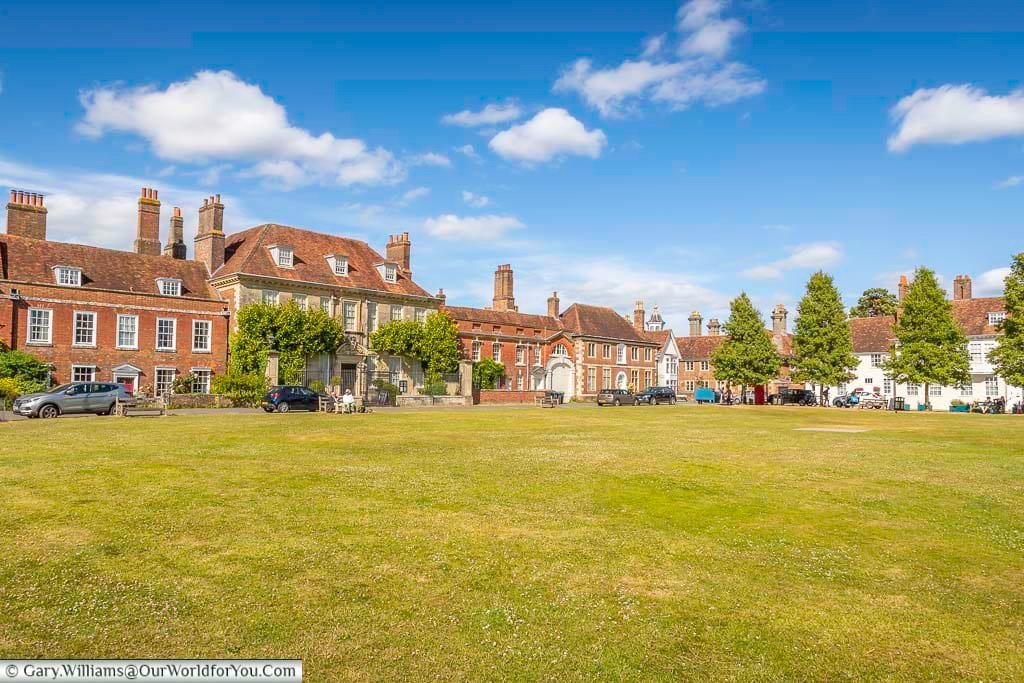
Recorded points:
177,211
26,216
14,196
218,198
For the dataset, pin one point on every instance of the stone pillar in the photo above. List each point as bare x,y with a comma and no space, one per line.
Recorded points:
273,366
466,377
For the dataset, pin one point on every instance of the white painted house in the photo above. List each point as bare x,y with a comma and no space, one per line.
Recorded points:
668,354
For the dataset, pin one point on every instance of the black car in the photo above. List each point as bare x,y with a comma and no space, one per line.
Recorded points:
799,397
652,396
288,397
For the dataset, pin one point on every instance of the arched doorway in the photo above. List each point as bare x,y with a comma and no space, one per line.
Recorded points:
620,381
560,379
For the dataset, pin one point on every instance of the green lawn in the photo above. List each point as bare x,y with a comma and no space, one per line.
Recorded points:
631,543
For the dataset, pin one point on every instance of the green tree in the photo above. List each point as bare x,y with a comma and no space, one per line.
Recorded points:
439,345
30,372
296,334
1008,356
487,373
398,338
932,347
822,341
748,356
874,303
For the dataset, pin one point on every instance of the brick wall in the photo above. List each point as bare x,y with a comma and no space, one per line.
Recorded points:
495,396
591,354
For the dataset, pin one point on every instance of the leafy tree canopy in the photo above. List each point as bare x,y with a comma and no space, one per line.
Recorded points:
434,343
487,373
932,346
822,341
874,303
748,356
295,333
1008,356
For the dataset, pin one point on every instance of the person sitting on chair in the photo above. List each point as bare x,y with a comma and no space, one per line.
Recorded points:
348,401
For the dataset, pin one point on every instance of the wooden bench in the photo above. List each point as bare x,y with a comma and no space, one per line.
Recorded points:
141,406
545,401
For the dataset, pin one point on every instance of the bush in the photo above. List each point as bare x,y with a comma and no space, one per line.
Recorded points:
434,384
10,389
245,389
317,386
182,384
956,402
487,373
24,367
392,390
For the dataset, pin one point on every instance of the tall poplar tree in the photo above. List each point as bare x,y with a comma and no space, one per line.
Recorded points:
1008,356
748,356
822,341
932,348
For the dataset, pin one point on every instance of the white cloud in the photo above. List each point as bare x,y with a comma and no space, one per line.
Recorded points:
102,210
215,116
488,116
550,134
1012,181
478,201
468,151
699,77
801,256
991,282
488,227
410,196
954,115
431,159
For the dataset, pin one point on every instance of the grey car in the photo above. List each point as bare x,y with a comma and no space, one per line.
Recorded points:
616,397
75,397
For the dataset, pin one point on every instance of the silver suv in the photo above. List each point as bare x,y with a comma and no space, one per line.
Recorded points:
76,397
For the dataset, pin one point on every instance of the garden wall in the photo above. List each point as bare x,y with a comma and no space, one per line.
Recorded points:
200,401
501,396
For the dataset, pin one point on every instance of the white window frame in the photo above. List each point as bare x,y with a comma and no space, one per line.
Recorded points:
270,296
991,386
705,365
520,354
420,315
401,312
876,360
475,351
301,300
996,317
913,389
592,349
49,326
156,379
209,336
346,308
339,265
197,372
174,334
496,351
90,315
606,378
285,257
325,304
934,390
967,390
168,286
536,354
135,331
75,367
390,272
73,273
591,379
620,355
371,316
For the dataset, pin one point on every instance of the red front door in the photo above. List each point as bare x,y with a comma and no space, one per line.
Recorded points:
128,383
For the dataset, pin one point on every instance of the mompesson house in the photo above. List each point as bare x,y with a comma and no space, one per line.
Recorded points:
147,316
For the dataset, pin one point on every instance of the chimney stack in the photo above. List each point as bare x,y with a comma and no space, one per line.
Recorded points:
399,250
503,300
904,286
779,314
553,305
714,327
147,235
961,287
209,242
639,315
26,215
176,237
441,295
695,323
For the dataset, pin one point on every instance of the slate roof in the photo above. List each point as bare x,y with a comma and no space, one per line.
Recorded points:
248,252
524,320
29,260
599,321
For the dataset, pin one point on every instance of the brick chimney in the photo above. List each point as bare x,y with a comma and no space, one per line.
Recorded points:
904,286
503,300
639,315
176,237
209,242
714,327
553,305
26,215
399,250
147,235
695,322
779,314
441,295
962,287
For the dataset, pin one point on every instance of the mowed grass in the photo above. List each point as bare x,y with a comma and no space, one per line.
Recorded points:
631,543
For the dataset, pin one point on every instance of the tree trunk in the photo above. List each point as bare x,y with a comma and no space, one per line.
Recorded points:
743,394
927,398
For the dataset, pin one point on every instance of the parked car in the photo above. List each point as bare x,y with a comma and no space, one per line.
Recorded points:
652,396
707,395
74,397
287,397
800,397
615,397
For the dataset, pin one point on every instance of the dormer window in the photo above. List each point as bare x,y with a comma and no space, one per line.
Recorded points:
339,264
283,256
168,286
996,317
388,271
68,276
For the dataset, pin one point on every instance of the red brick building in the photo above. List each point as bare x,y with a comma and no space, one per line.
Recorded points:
139,318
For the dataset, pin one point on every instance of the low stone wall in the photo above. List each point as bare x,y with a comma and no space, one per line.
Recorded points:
427,401
493,396
200,401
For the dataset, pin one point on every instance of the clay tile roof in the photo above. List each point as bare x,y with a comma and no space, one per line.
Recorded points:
872,335
598,321
524,320
659,336
30,260
698,348
972,314
248,252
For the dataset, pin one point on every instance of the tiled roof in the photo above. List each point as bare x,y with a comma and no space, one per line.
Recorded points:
598,321
972,314
30,260
487,315
875,335
698,348
248,252
872,335
660,336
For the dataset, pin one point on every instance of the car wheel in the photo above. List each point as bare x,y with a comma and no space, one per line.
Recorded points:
48,411
108,411
653,401
283,407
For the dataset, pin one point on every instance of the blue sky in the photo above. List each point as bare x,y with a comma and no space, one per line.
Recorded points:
697,150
